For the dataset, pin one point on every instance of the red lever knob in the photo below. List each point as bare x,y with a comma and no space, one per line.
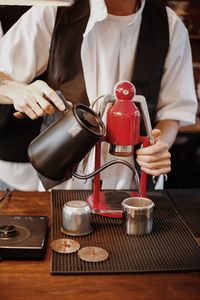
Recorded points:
124,90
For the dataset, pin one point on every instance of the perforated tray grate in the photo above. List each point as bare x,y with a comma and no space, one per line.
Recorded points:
187,202
170,247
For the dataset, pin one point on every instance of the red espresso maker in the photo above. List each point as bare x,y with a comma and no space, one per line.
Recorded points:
122,133
58,150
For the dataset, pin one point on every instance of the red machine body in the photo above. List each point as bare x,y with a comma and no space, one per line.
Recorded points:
123,117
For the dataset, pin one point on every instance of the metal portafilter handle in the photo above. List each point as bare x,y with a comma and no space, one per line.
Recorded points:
147,122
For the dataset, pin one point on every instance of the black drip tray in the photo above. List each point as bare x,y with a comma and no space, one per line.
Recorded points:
170,247
187,202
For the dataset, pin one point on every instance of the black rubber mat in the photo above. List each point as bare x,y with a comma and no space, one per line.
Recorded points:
187,202
113,199
170,247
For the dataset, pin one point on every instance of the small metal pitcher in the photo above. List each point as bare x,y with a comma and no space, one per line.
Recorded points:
137,215
76,215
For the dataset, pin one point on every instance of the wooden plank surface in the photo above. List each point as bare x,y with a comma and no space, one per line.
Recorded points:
32,279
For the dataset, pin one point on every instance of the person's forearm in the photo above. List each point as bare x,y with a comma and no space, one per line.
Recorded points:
169,130
4,89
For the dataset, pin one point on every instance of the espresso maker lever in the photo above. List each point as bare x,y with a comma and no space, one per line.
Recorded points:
122,134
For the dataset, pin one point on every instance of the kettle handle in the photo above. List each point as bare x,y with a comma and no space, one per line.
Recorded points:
68,104
145,113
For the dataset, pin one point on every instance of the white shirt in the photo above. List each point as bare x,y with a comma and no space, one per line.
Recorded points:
106,57
1,31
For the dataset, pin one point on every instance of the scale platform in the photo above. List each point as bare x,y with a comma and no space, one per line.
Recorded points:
23,237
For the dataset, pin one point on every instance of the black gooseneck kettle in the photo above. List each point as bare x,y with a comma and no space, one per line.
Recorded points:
56,152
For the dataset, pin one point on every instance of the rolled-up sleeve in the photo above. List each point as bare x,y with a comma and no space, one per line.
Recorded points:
177,98
24,49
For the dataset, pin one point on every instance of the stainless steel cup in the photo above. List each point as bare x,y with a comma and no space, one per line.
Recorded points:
76,217
137,215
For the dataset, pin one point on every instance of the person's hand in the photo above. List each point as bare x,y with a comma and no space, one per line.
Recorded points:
34,100
155,159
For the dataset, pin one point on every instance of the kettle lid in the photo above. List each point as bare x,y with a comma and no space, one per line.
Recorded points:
89,119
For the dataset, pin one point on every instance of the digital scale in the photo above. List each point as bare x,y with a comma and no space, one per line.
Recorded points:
23,237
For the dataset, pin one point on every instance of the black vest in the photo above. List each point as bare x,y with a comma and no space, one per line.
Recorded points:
65,71
15,135
9,15
65,68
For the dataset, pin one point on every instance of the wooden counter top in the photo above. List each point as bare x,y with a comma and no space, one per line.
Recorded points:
32,279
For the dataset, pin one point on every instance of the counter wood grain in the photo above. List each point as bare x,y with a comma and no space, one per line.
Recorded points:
32,279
